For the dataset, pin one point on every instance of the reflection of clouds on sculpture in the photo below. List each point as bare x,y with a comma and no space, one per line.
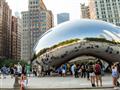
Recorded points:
81,37
112,35
75,29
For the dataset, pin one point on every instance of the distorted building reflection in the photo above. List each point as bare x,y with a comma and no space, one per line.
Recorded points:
76,38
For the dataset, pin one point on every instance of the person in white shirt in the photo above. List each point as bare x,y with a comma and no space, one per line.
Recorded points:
19,69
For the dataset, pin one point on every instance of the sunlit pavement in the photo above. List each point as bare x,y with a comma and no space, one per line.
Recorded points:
59,82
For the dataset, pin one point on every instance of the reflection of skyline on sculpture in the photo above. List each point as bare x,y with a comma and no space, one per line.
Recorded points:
77,29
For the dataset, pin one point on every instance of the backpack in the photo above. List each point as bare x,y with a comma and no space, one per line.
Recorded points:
97,68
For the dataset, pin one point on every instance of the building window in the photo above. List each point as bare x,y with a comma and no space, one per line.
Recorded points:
107,0
114,0
98,17
30,2
36,2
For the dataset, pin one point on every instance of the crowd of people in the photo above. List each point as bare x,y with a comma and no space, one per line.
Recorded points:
16,69
92,72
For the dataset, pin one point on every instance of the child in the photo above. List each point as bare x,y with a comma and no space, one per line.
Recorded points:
23,82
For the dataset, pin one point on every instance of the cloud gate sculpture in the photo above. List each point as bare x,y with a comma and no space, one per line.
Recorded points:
76,38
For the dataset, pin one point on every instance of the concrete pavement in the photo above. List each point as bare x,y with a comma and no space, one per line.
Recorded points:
52,83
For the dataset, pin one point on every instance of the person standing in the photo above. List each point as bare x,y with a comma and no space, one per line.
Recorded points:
4,71
23,82
87,72
12,71
98,74
28,70
115,75
76,71
83,71
63,71
19,69
73,69
92,75
0,73
34,70
39,71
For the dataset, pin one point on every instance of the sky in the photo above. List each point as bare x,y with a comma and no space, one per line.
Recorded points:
57,6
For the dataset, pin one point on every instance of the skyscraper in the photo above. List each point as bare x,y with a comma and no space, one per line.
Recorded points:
36,21
16,28
19,33
5,30
62,17
14,38
106,10
25,37
84,11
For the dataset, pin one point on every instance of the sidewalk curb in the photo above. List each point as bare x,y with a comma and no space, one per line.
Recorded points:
91,88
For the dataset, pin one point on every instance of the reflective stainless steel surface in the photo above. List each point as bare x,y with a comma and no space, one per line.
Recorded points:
68,34
76,29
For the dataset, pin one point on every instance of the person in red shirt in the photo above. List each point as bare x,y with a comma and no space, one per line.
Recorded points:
98,74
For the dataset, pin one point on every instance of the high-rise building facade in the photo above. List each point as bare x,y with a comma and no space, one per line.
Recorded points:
19,33
16,28
46,20
63,17
84,11
14,38
25,37
36,21
106,10
5,30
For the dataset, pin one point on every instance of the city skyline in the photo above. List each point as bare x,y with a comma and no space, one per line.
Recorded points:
59,6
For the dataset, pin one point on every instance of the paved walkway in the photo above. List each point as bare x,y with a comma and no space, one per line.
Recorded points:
57,82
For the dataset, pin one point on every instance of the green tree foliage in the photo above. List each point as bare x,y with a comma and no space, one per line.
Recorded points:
10,62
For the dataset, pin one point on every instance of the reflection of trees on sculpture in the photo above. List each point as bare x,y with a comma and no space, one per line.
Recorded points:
58,45
69,42
101,40
76,49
